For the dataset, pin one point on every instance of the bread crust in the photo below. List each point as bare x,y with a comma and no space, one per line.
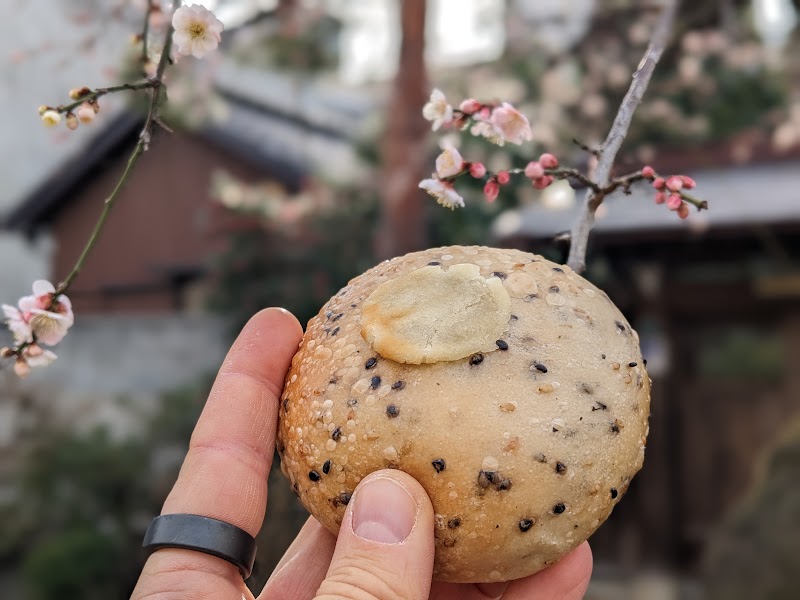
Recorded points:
524,448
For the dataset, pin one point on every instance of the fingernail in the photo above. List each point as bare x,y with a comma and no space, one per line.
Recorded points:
384,511
492,590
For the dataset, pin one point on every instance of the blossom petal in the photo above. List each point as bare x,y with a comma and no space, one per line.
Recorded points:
42,287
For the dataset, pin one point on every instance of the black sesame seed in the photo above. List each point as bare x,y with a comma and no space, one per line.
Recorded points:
587,388
454,522
559,508
503,485
313,476
326,467
620,326
476,359
502,344
371,362
632,364
335,331
398,385
540,367
614,493
333,380
530,297
614,428
439,465
337,317
342,499
603,356
561,468
558,269
486,478
286,403
375,382
353,305
336,434
644,361
514,317
499,275
352,402
600,406
392,411
525,525
554,289
433,263
328,314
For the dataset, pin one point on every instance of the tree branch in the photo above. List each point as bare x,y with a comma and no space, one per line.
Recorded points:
607,153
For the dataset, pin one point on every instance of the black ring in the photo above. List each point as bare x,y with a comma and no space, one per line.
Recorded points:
203,534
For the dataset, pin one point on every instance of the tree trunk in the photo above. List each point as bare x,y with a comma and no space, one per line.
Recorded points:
403,150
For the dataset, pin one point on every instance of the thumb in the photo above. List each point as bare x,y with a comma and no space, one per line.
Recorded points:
385,545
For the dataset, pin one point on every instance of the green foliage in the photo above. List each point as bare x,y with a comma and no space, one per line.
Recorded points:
79,563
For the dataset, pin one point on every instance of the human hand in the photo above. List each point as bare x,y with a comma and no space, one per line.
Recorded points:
385,546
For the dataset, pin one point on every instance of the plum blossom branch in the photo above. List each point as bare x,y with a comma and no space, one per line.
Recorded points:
607,153
46,316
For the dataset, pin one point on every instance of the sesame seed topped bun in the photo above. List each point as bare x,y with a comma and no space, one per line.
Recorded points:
510,387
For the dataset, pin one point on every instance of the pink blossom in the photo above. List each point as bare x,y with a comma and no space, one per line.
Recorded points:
648,172
449,163
542,182
437,109
469,106
444,192
674,202
534,170
85,113
683,210
47,317
674,183
661,197
197,31
21,368
487,130
688,182
659,183
549,161
477,170
512,125
491,190
18,325
503,177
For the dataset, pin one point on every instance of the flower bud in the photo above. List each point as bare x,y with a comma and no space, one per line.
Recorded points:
648,172
7,352
542,182
503,177
469,106
548,161
534,170
491,190
674,202
659,183
477,170
95,105
688,182
72,121
43,109
85,113
34,350
661,197
21,368
683,210
78,93
51,118
674,184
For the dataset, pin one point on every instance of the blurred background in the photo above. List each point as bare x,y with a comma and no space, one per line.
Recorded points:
293,166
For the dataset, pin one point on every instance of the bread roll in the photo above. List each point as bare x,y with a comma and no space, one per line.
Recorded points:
510,387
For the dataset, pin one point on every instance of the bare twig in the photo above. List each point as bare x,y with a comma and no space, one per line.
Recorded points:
619,129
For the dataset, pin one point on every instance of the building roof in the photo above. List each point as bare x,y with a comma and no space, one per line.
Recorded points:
738,196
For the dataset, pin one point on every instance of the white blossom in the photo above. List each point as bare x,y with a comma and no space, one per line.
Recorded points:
197,31
445,193
437,109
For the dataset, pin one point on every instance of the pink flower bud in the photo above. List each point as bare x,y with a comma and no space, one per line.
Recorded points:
534,170
674,183
548,161
683,210
542,182
661,197
72,121
491,190
659,183
469,106
34,350
688,182
85,113
484,113
21,368
674,202
648,172
477,170
503,177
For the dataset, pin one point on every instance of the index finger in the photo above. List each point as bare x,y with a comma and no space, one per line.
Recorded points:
225,472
